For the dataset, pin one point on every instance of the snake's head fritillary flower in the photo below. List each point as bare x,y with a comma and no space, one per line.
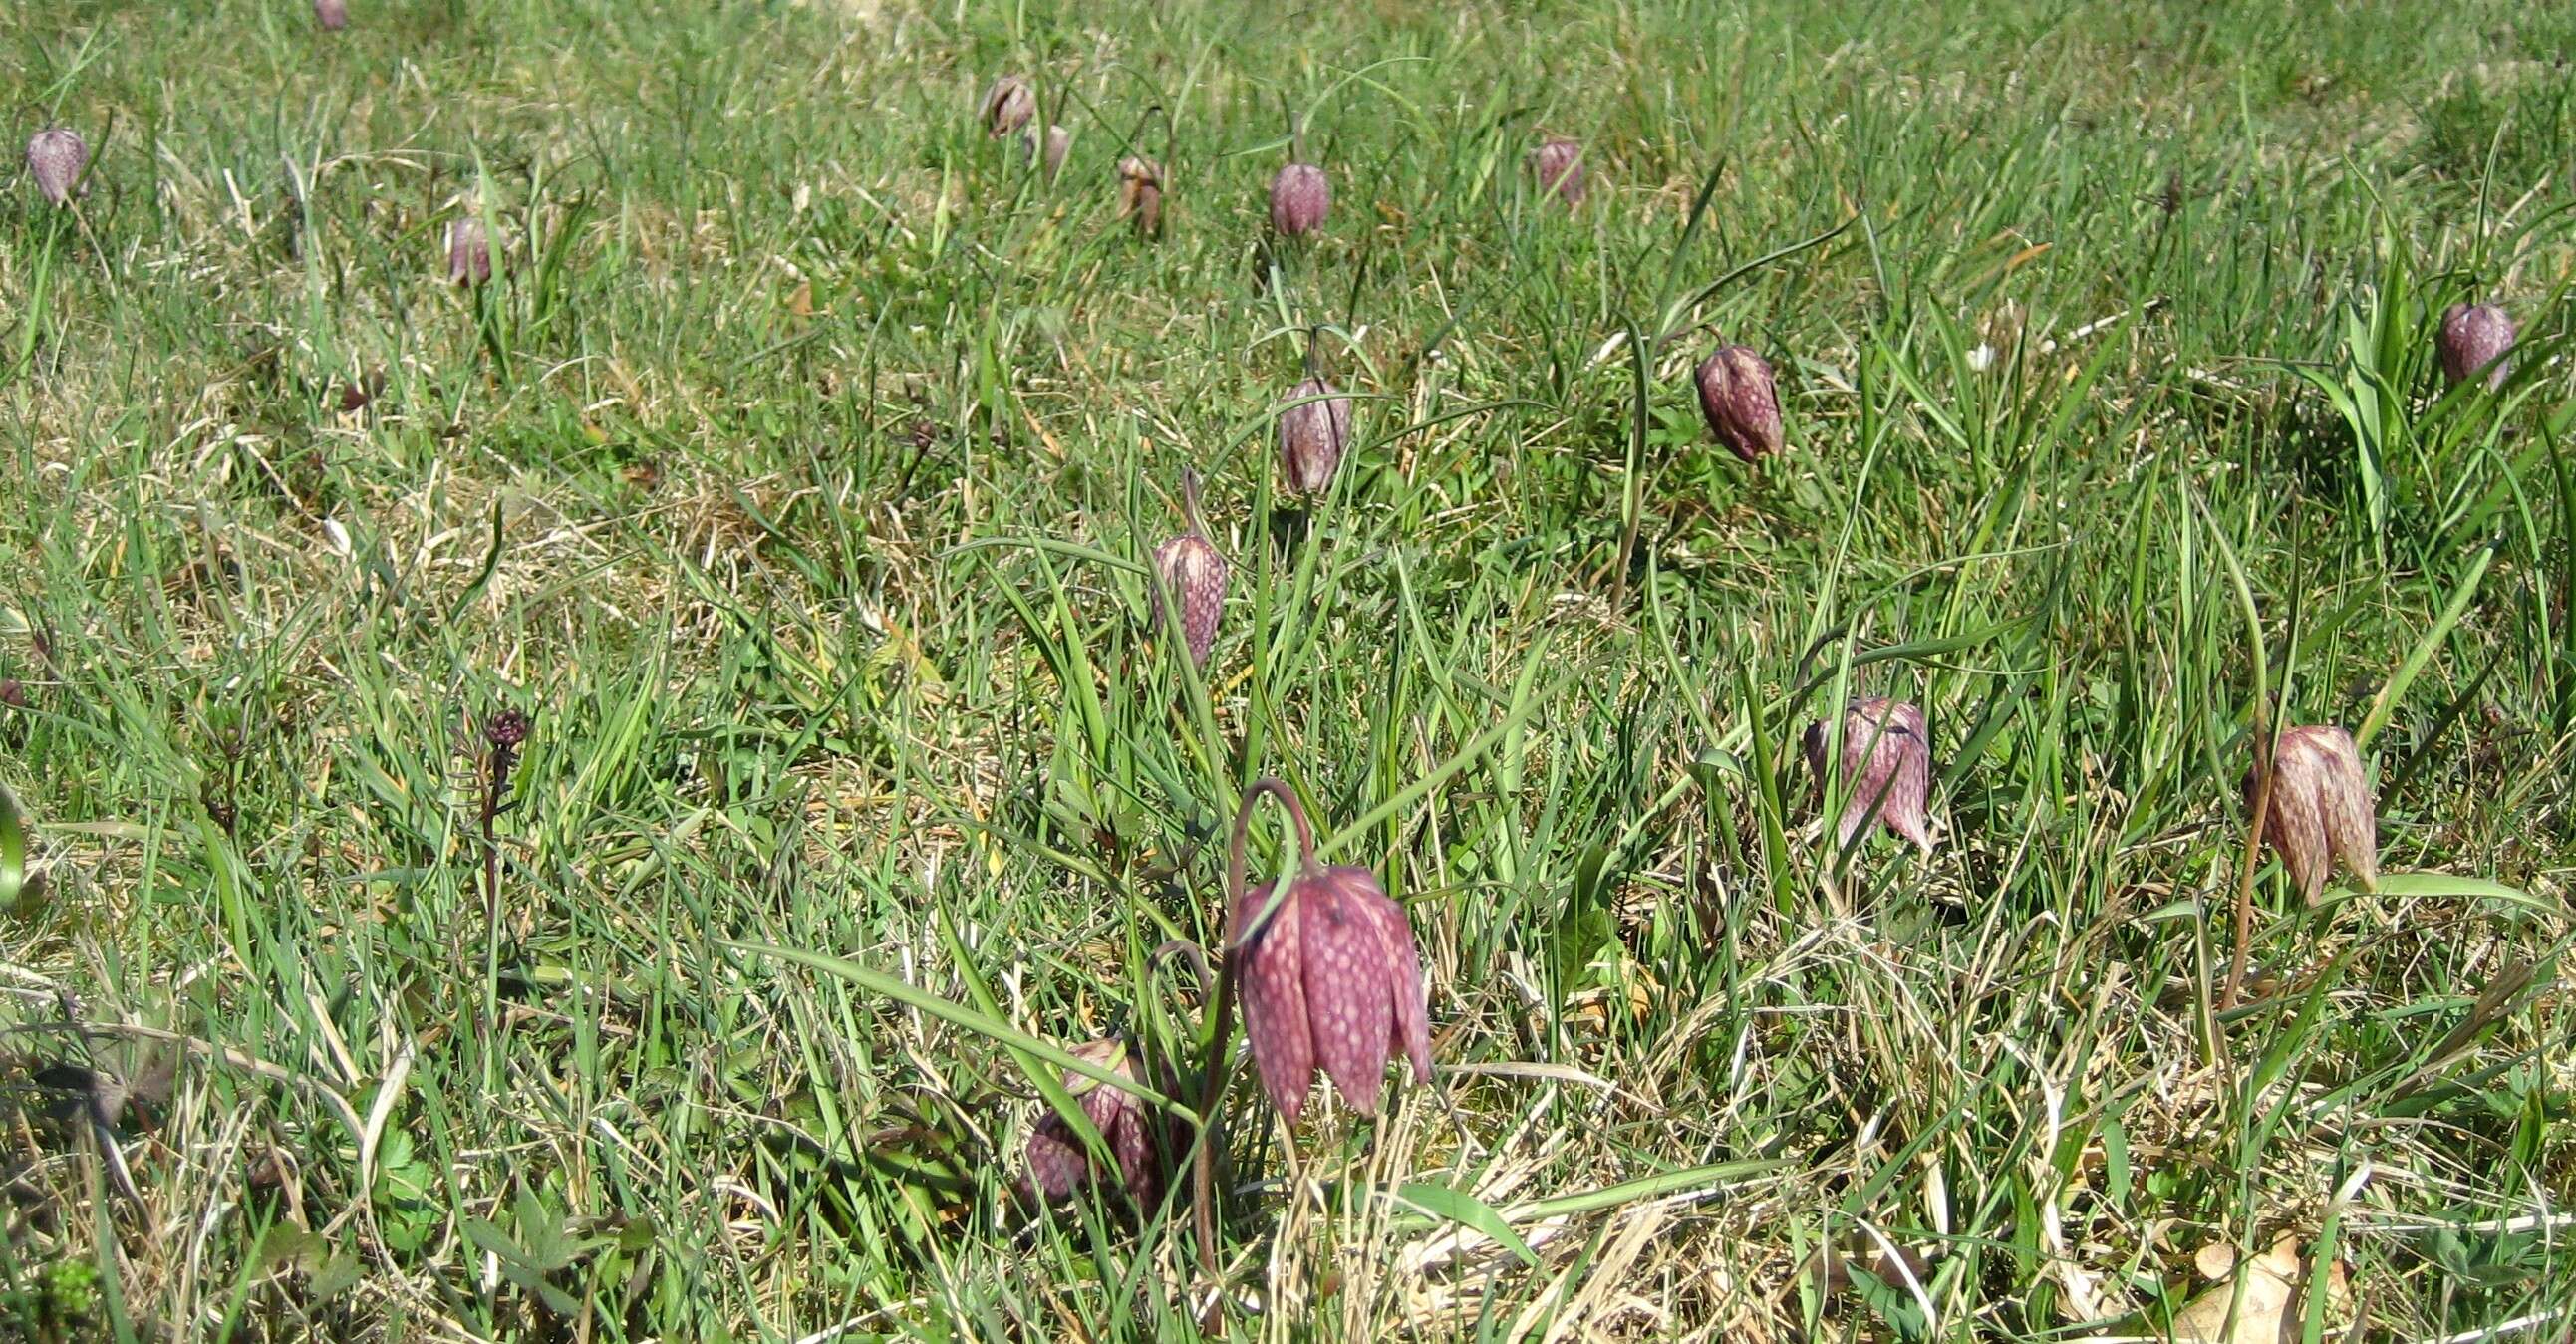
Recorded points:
1558,162
1048,149
55,157
1007,106
1312,436
1300,198
1331,980
2321,809
1191,568
1059,1165
1886,767
2475,337
333,15
469,252
1140,194
1740,402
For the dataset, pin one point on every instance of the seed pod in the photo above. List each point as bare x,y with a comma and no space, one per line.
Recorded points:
2474,337
1007,106
1741,404
1048,149
1140,194
469,253
1331,979
1191,569
333,15
2321,808
55,157
1312,436
1300,198
1886,766
1559,165
1058,1163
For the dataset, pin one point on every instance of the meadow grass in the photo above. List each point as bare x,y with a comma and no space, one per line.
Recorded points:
796,478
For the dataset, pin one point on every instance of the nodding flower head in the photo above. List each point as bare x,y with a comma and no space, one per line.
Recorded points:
1059,1165
1312,436
333,15
55,157
2320,810
1007,106
1191,568
469,252
1048,149
1558,162
1331,978
1140,194
2475,337
1886,768
1300,198
1740,402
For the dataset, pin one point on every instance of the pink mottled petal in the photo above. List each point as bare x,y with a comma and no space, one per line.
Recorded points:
1411,1003
2297,827
1274,1000
1057,1164
1347,999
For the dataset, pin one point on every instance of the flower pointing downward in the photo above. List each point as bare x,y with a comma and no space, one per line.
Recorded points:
1887,766
2320,808
1058,1166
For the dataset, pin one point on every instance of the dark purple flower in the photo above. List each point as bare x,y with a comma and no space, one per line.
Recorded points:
1300,198
1140,194
1313,435
2475,337
1559,165
333,15
507,729
1190,567
2321,808
469,252
1007,106
1741,403
1331,979
1886,766
1059,1164
55,157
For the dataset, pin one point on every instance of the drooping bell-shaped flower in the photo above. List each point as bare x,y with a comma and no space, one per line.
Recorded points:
2321,809
1060,1164
333,15
1140,194
1007,106
1313,435
1740,402
1300,198
1195,574
55,157
469,252
2475,337
1558,162
1048,148
1331,980
1886,768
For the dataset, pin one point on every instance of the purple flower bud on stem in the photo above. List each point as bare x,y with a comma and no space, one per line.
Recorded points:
333,15
2320,808
1190,567
1313,435
1300,198
1740,402
56,156
1558,162
469,252
2476,337
1886,768
1140,194
1058,1162
1007,106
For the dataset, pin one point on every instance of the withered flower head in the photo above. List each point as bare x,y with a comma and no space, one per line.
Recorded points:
1559,165
1048,149
1007,106
1313,435
2321,808
1140,193
333,15
1300,198
1742,406
1886,766
1191,568
469,252
1330,978
1059,1165
2474,337
55,157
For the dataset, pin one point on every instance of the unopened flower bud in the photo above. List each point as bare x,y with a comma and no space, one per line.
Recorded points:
1312,436
2320,809
1007,106
1741,404
1300,198
469,252
1559,165
2476,337
55,157
1140,194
